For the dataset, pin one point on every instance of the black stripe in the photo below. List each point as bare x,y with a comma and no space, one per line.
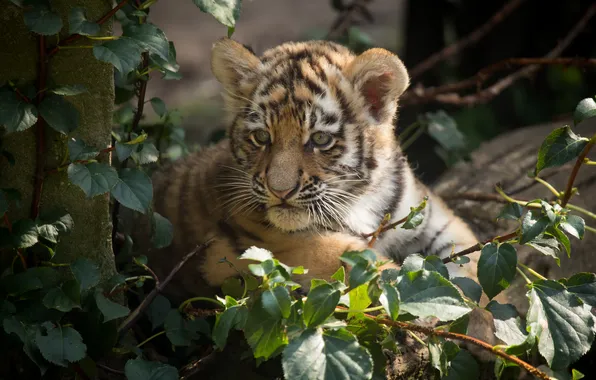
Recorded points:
399,188
429,246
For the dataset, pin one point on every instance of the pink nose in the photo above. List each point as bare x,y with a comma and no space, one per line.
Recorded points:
286,193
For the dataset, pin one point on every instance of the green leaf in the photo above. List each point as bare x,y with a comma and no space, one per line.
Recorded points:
80,25
511,211
443,128
582,285
145,153
63,298
333,354
320,304
390,300
559,147
426,294
585,109
41,20
339,275
24,233
264,332
123,151
27,335
562,238
69,89
547,246
15,114
441,354
226,12
415,217
86,272
359,298
78,150
277,301
159,106
158,311
574,226
139,369
470,288
256,254
415,262
463,367
361,273
232,287
563,324
32,279
181,331
532,226
50,226
508,325
163,231
60,114
60,345
169,67
496,267
94,178
150,38
233,317
134,189
110,309
124,53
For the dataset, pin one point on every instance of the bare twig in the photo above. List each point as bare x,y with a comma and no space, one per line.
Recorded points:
379,230
159,287
382,228
195,367
470,39
418,96
478,247
578,163
345,19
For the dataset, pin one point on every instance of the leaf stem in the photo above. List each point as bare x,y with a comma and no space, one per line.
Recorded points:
521,273
581,209
478,247
591,229
513,200
76,47
532,272
548,186
587,161
386,228
191,300
578,163
151,338
367,310
105,38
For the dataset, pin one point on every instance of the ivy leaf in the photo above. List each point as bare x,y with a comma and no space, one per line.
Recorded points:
139,369
32,279
226,12
415,217
559,147
124,53
264,332
333,354
163,231
69,89
159,106
532,226
425,294
134,189
158,311
256,254
52,225
463,367
60,345
94,178
496,267
80,25
63,298
574,226
470,288
390,300
585,109
78,150
233,317
181,331
86,272
15,114
24,233
511,211
508,325
320,304
41,20
27,335
277,301
582,285
563,324
150,38
60,114
110,309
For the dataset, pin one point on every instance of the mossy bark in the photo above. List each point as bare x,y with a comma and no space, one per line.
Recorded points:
19,60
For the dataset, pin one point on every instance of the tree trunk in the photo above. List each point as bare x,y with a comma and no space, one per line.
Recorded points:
19,62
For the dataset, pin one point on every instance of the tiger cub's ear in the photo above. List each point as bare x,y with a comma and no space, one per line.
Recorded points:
380,77
234,66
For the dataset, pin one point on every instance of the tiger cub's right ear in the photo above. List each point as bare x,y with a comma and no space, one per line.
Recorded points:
234,66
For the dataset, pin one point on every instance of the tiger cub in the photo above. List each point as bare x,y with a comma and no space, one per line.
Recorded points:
310,164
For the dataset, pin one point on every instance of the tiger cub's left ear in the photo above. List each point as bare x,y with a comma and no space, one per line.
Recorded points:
380,77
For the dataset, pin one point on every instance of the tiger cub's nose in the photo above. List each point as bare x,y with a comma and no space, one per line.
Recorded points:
285,193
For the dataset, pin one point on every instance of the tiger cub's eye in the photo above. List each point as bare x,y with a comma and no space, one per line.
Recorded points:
261,137
321,139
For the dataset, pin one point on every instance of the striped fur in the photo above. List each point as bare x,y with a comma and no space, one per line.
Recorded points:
274,184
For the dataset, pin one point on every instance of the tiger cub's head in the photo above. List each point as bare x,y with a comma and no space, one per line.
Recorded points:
311,126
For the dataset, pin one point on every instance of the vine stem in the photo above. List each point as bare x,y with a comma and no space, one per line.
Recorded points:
150,338
461,337
159,287
578,163
191,300
478,247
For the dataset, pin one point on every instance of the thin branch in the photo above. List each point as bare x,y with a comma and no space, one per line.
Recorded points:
379,230
470,39
478,247
386,228
578,163
419,96
73,37
345,19
159,287
195,367
111,370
